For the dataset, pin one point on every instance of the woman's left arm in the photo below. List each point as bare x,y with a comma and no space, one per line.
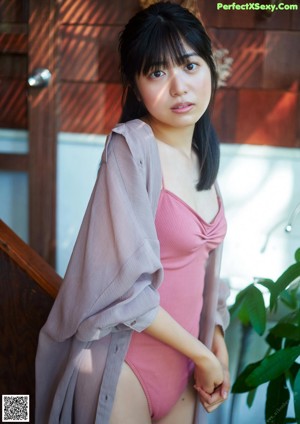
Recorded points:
218,345
219,348
214,400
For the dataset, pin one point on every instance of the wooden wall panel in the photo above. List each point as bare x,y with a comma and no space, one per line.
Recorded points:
279,20
13,104
282,61
89,53
14,11
259,104
13,43
247,49
225,114
42,131
249,116
261,59
214,18
89,73
14,162
98,12
255,40
13,63
295,21
13,66
90,108
270,116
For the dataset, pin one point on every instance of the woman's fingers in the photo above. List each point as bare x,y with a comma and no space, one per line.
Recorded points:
207,380
225,388
211,401
206,397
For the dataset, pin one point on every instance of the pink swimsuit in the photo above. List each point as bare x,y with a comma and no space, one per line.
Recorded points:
185,242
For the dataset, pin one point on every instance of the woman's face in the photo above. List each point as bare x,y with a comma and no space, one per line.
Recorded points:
176,95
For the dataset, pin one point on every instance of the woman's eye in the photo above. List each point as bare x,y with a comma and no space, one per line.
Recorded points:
156,74
191,66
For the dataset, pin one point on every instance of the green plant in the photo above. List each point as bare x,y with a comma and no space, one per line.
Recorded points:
279,367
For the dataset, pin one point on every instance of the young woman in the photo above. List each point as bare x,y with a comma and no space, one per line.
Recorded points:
136,333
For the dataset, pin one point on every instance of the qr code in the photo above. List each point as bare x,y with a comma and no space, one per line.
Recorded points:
15,408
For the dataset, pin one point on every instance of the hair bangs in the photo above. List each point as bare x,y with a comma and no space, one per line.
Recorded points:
164,47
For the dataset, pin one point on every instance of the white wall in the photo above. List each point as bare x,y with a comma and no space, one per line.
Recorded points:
77,164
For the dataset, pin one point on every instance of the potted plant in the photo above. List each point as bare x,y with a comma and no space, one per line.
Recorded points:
279,367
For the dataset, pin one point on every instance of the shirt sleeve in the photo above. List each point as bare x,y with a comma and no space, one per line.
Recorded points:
222,315
115,267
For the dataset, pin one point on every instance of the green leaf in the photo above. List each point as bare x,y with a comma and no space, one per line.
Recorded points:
235,308
286,330
283,281
251,397
272,366
256,310
296,388
277,402
240,385
250,307
292,318
290,343
273,341
289,298
297,255
265,282
292,373
243,315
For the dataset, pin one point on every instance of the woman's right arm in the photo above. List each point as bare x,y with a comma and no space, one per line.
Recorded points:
208,368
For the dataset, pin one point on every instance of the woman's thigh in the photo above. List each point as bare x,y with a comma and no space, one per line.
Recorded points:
130,405
184,410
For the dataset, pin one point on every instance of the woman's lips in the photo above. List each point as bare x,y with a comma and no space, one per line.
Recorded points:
182,107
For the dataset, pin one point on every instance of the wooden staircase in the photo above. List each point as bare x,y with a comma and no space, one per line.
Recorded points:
28,286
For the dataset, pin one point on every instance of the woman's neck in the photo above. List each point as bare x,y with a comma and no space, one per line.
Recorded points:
179,138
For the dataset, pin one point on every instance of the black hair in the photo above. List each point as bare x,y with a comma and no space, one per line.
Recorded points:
154,35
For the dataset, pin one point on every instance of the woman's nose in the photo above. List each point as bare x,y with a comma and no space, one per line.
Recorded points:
177,84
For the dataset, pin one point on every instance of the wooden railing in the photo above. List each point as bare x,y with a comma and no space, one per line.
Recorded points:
28,286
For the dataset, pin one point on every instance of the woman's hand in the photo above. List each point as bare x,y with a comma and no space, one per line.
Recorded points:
208,374
211,367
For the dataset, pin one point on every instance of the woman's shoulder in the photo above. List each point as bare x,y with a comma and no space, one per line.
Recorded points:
136,130
138,136
133,142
